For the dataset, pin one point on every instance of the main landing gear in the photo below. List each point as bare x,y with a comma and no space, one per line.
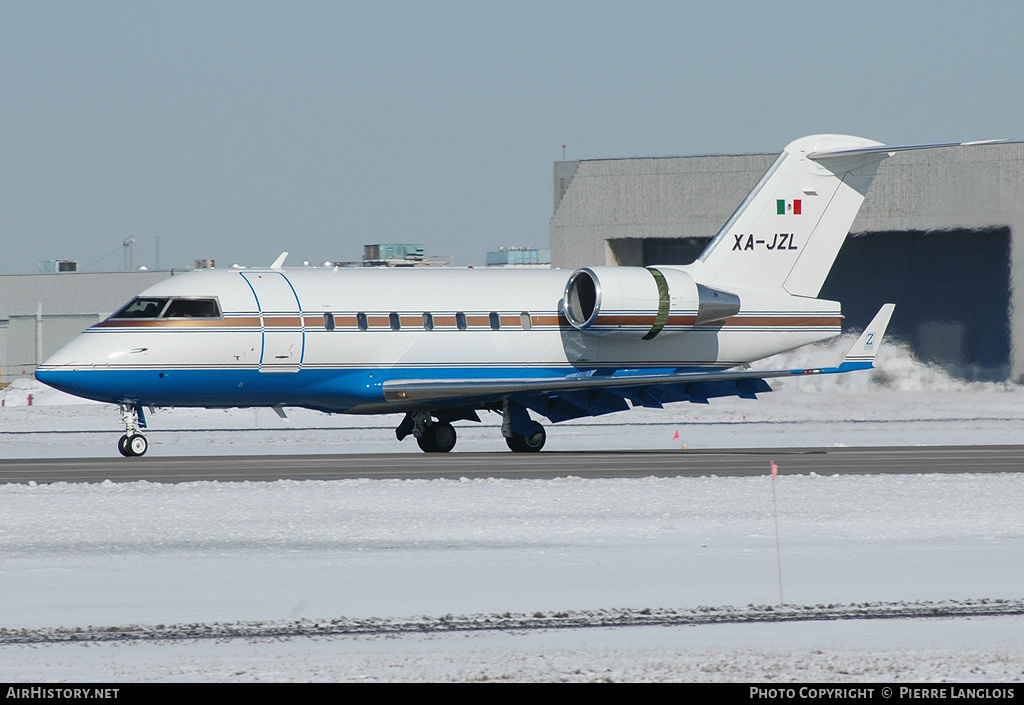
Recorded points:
438,437
132,444
531,442
522,434
432,436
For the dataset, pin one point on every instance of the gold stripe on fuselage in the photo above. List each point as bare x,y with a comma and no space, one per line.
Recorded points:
474,321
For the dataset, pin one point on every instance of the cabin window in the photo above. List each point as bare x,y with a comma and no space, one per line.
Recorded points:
192,308
428,321
460,320
328,321
495,320
396,322
142,308
526,320
361,321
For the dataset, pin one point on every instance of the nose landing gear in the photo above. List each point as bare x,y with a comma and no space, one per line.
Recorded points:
132,444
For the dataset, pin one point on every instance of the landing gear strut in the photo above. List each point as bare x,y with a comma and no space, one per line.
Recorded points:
432,436
522,434
132,444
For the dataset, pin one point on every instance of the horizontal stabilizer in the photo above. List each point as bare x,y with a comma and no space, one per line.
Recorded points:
891,149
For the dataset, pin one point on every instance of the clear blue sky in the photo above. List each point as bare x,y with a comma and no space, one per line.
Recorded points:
236,130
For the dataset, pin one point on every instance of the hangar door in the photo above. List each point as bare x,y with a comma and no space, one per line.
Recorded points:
951,289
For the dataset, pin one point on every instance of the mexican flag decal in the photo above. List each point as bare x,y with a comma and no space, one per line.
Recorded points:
791,207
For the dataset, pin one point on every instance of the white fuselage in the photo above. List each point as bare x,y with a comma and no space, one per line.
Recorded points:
328,338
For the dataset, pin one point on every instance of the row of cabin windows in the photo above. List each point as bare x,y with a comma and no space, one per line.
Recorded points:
395,321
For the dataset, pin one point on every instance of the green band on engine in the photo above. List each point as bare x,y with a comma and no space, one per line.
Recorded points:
663,304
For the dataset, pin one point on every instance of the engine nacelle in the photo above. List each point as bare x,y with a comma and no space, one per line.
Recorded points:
637,302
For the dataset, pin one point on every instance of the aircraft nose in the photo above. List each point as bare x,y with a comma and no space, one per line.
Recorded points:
66,356
57,370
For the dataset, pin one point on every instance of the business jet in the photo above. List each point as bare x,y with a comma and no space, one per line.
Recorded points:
442,345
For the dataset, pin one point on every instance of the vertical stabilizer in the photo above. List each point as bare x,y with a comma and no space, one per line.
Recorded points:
787,232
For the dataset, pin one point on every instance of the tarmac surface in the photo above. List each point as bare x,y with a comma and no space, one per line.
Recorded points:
678,463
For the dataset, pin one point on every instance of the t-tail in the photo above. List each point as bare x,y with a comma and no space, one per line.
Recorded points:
787,232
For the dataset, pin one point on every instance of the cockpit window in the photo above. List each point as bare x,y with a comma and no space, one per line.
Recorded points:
162,307
142,308
192,308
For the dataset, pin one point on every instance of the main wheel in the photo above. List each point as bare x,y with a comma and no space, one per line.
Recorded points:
438,437
532,442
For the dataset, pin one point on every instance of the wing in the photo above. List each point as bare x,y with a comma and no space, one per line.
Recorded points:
745,381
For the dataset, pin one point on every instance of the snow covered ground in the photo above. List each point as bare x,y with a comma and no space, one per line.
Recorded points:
201,553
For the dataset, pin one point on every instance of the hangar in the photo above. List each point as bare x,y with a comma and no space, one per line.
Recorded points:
941,234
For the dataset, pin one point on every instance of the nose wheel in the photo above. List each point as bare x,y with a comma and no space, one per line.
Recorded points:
132,446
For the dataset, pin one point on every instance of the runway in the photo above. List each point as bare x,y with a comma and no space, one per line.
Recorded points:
680,463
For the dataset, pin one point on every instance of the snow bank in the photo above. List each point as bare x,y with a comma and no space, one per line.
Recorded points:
203,553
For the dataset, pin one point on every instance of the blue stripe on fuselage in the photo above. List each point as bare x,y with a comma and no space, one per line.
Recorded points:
326,389
340,389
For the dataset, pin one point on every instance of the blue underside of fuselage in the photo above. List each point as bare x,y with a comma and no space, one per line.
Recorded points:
358,390
336,389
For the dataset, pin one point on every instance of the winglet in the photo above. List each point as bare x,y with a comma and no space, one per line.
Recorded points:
862,354
279,262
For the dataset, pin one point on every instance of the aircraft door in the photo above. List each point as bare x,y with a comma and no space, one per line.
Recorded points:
280,321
